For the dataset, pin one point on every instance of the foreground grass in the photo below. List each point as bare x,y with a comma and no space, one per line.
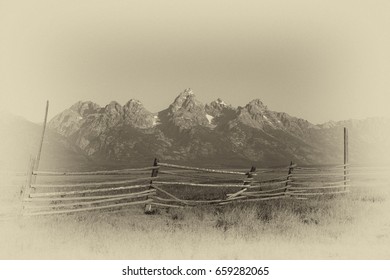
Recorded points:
352,226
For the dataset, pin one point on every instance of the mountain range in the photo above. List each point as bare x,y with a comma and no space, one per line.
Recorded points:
89,136
214,134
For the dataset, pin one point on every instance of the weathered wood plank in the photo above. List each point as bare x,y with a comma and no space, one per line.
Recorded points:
202,169
87,209
91,184
80,203
102,172
87,191
198,185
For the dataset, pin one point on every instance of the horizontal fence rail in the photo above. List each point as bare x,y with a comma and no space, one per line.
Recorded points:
89,208
97,184
202,169
108,172
176,186
91,202
198,185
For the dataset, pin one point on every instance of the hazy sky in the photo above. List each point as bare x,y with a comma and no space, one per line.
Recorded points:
319,60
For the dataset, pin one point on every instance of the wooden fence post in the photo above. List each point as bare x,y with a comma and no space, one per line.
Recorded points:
290,171
25,193
23,189
250,175
148,207
247,181
42,136
345,156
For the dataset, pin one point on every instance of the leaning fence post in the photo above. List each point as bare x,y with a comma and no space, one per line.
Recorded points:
345,157
148,207
26,186
26,189
247,182
249,176
290,171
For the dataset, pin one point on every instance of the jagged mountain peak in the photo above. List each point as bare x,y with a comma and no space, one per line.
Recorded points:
113,106
218,108
256,104
186,111
187,101
187,92
84,107
219,103
134,105
254,109
136,115
134,101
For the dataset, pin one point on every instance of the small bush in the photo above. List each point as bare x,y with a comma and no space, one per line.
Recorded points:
177,215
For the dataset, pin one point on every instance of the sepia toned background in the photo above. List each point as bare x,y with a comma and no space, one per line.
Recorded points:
315,60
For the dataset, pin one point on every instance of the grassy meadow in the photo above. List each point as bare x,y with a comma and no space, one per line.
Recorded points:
351,226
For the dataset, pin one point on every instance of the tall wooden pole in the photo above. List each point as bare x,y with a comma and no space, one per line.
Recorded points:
345,155
43,135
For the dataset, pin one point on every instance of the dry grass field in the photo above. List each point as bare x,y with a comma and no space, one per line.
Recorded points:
351,226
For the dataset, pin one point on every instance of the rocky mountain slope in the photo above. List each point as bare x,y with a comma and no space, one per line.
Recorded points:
213,134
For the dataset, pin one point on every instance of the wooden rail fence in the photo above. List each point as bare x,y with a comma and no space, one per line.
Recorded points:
171,185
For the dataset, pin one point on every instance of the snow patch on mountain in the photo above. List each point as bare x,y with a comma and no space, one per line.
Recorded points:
209,118
156,120
220,101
